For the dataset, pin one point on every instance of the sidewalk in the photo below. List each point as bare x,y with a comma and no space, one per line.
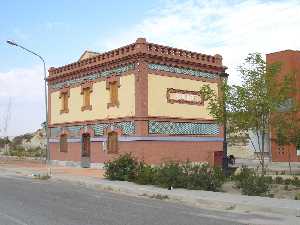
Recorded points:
93,178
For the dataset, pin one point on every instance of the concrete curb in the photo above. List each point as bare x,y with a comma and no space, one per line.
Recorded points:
202,199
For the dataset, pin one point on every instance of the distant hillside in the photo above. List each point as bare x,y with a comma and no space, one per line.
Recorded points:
30,144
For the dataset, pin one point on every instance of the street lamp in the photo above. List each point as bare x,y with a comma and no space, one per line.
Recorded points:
225,157
13,43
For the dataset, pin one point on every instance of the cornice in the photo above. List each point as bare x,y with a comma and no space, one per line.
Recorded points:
140,48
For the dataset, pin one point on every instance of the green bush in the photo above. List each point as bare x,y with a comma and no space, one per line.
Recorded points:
296,181
174,174
204,177
253,184
169,174
288,181
279,180
297,196
145,174
123,168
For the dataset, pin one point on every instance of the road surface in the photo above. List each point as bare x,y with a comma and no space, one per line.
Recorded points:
25,201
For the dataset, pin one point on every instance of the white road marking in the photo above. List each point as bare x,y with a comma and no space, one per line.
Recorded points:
13,219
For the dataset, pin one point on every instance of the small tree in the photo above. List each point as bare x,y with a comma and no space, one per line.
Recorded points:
249,106
287,129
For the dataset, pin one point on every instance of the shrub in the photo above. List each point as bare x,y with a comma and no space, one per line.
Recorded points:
296,181
169,174
204,177
288,181
297,196
144,174
175,174
279,180
123,168
253,184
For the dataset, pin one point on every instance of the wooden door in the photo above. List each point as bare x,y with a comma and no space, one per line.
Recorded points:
86,145
112,142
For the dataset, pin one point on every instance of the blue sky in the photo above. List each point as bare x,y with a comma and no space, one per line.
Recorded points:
61,30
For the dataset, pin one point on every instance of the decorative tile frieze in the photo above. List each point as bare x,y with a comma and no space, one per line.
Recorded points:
185,71
127,127
55,131
91,77
74,131
183,128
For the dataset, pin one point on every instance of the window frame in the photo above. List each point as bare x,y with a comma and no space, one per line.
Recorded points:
64,96
86,89
110,149
113,85
63,146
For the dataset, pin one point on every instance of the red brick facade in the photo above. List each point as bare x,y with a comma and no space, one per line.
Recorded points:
290,61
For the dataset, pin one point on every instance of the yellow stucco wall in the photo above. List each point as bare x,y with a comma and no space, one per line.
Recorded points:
157,99
99,99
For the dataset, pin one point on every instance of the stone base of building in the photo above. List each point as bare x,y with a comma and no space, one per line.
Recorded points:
74,164
151,152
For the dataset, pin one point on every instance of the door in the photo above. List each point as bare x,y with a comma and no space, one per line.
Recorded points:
85,150
112,143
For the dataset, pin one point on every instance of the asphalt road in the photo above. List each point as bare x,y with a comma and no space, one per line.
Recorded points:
24,201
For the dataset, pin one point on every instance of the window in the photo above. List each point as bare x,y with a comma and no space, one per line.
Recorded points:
64,96
86,93
112,142
86,145
113,84
114,93
63,143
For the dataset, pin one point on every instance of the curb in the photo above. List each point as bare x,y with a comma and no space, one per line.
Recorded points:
245,203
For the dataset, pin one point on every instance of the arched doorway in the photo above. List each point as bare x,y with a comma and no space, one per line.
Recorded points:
112,142
85,150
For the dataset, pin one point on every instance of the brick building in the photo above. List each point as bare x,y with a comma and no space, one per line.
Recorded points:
290,61
141,98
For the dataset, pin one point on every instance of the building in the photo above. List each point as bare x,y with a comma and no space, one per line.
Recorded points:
141,98
290,63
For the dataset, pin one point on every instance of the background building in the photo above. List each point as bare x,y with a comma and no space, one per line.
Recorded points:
141,98
290,60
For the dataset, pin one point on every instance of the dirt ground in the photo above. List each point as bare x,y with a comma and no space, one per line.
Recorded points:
41,166
278,190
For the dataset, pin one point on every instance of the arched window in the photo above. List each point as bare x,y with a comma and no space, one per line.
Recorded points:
112,142
63,143
86,145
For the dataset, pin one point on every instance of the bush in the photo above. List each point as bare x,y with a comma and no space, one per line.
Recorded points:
123,168
296,181
297,196
204,177
145,174
169,174
279,180
253,184
288,181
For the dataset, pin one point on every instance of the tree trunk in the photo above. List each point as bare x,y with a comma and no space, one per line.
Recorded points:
290,167
263,152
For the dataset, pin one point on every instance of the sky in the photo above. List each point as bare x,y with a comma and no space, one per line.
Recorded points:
60,30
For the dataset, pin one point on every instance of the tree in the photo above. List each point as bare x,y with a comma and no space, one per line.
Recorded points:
287,130
249,106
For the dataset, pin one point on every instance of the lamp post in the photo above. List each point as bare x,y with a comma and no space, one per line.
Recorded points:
225,157
13,43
